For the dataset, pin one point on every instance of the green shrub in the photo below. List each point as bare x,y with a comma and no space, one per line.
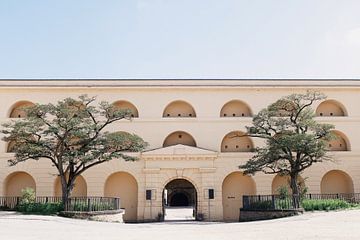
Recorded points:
82,205
283,203
324,204
262,205
40,208
27,196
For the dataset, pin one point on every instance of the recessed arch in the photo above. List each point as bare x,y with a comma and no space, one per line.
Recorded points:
125,105
179,137
16,182
236,141
179,108
339,143
180,192
18,109
124,186
234,186
10,148
336,181
331,108
280,181
79,190
235,108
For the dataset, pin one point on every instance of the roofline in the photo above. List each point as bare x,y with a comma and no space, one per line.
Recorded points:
180,79
179,83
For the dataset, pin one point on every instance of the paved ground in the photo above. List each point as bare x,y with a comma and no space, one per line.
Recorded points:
179,213
321,225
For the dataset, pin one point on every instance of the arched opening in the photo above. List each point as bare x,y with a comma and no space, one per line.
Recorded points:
179,137
18,110
336,181
339,143
11,147
16,182
281,181
236,141
331,108
180,200
79,189
234,186
235,108
179,109
125,105
124,186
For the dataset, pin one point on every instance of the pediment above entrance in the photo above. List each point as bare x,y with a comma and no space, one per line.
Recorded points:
179,151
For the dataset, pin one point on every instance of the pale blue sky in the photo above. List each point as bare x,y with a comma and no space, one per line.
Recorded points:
180,39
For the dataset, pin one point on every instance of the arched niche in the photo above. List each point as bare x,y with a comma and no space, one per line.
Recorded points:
339,143
236,141
331,108
336,181
79,189
179,137
120,140
180,109
280,181
234,186
125,105
11,147
16,182
124,186
235,108
18,109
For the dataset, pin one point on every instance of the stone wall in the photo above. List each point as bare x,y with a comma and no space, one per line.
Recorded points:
254,215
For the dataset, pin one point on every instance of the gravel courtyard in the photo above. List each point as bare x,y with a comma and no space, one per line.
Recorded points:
318,225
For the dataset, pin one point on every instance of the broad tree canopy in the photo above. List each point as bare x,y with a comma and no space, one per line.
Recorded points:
72,135
294,140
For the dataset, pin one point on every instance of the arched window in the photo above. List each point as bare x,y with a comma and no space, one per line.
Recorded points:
236,141
179,109
330,108
235,108
125,105
179,137
18,110
339,143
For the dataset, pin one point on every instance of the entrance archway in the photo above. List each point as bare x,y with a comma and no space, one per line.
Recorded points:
179,200
234,186
124,186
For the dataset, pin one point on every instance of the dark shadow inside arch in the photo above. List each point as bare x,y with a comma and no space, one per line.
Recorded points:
179,200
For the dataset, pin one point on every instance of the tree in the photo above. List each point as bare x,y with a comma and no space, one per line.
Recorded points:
72,136
294,140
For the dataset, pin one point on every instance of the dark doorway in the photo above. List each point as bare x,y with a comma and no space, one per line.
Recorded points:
179,200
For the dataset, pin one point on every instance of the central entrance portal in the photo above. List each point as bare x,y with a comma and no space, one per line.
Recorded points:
179,200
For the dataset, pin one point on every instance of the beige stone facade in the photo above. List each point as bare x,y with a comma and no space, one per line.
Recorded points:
188,125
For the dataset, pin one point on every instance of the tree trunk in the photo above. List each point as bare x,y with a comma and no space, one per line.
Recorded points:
295,190
65,193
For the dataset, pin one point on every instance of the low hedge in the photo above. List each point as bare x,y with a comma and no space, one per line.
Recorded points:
40,208
324,204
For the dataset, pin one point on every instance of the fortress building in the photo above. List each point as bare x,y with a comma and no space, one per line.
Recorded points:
192,158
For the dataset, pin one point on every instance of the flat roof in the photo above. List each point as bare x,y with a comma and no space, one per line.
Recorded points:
166,83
